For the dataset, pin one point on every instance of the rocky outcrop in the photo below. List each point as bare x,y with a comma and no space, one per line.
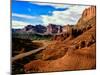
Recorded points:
54,29
66,32
88,14
67,28
35,29
28,27
40,29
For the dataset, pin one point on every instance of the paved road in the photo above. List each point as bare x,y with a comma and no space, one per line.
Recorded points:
19,56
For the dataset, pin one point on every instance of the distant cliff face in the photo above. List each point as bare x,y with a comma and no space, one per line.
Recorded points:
31,28
52,28
68,28
87,14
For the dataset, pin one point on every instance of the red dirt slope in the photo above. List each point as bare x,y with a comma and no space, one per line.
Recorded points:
75,52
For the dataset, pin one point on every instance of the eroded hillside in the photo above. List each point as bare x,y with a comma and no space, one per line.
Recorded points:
72,50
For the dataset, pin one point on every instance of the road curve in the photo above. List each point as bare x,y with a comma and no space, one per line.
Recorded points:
22,55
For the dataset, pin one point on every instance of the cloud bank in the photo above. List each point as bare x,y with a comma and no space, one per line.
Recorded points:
19,24
23,16
69,16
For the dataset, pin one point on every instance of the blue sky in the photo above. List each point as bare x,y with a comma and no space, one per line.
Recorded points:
24,13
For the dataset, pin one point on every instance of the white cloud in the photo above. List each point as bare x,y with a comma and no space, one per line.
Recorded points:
19,24
56,5
69,16
23,16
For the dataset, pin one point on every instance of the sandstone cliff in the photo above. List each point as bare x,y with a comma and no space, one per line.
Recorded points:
88,13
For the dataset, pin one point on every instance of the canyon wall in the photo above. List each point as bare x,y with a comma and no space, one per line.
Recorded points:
87,14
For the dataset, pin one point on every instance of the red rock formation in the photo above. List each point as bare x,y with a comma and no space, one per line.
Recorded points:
77,53
67,28
52,28
88,13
